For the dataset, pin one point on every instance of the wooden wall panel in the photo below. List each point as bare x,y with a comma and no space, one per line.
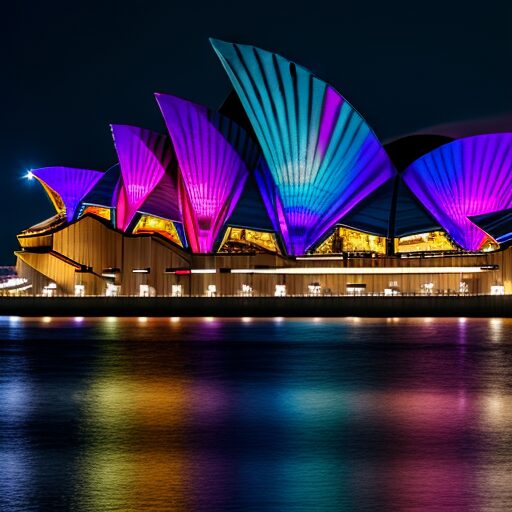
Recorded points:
90,242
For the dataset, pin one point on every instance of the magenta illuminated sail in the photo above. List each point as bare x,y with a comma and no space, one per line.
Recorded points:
322,156
144,158
66,186
214,158
465,178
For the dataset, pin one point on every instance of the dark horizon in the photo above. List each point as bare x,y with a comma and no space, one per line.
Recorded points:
70,71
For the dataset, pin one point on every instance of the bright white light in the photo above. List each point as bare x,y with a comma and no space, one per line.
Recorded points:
246,319
358,270
246,290
112,290
79,319
319,258
278,319
208,318
496,323
174,319
176,290
280,290
462,320
29,175
47,319
143,319
13,282
497,290
14,319
111,319
79,290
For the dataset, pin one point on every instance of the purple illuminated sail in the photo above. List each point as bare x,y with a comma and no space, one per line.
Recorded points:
467,177
67,186
322,156
144,158
214,157
164,201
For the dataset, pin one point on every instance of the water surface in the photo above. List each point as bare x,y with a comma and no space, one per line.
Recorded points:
205,414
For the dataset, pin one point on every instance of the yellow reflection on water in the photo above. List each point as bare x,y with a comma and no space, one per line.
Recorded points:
134,481
136,425
120,400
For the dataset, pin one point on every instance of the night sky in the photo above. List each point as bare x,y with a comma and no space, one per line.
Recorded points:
71,68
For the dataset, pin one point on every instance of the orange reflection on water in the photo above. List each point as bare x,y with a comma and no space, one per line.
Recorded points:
135,480
139,433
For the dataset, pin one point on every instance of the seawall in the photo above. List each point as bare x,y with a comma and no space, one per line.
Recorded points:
400,306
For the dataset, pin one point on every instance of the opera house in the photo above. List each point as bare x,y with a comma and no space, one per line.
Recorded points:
285,190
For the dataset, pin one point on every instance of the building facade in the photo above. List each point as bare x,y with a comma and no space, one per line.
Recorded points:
285,190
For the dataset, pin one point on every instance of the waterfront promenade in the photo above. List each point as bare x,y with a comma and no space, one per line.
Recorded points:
326,306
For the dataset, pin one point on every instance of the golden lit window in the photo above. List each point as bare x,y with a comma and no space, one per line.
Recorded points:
98,211
149,225
350,240
239,240
424,242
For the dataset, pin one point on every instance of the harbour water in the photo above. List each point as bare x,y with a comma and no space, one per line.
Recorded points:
206,414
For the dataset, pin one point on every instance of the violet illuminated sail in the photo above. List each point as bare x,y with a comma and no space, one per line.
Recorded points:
66,186
144,158
214,158
465,178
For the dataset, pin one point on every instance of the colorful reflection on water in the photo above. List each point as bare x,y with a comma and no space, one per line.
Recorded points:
176,414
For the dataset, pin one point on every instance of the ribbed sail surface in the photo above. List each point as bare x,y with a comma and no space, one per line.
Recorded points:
464,178
496,224
104,192
214,158
144,157
250,211
322,156
163,201
70,184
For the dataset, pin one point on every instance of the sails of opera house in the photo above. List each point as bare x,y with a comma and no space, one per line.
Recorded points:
285,190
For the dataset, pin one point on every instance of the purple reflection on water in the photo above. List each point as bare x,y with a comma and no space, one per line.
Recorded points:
331,415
